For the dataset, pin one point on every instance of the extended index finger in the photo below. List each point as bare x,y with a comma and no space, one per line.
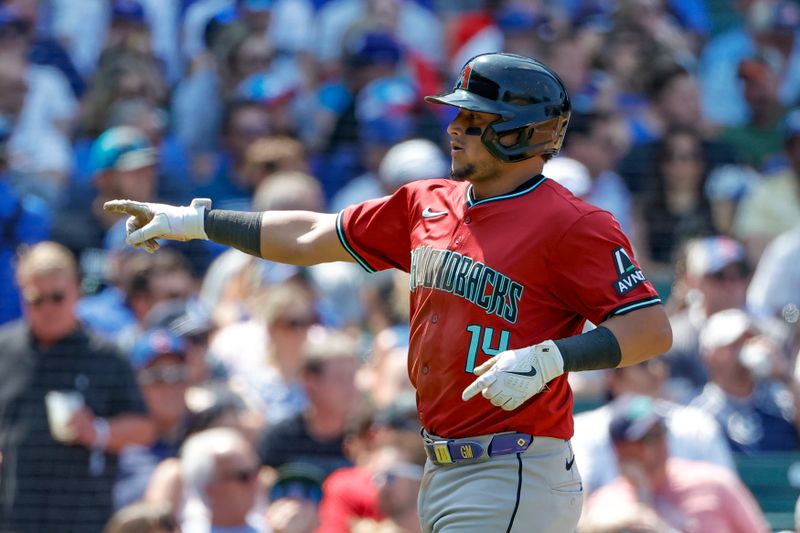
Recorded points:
140,210
478,385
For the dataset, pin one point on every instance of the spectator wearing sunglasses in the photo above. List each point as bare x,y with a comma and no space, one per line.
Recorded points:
189,320
211,405
265,354
49,350
159,359
713,276
221,483
316,435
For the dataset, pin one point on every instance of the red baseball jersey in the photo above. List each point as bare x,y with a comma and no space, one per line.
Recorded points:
489,275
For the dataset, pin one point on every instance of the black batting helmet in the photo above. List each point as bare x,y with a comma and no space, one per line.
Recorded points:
530,98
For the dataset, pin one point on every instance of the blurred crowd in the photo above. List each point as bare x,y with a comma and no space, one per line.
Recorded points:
200,389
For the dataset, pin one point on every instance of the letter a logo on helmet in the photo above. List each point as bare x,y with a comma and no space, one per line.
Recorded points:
463,79
530,100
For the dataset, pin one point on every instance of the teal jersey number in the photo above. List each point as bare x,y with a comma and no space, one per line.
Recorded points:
483,338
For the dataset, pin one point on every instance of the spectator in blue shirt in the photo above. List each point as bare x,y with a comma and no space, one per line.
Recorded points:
23,220
751,392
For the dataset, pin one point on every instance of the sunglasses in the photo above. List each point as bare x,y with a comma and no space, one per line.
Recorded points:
240,476
167,375
731,273
38,300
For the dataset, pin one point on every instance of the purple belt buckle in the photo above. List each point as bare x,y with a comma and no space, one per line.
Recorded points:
511,443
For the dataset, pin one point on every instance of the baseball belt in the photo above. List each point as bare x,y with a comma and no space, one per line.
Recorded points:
446,452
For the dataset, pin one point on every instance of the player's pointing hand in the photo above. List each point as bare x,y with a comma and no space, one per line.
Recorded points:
150,221
512,377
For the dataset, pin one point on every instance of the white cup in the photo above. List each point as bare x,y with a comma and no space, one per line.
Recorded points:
61,406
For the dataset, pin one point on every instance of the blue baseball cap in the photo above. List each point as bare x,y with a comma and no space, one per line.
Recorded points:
372,48
121,148
633,416
154,343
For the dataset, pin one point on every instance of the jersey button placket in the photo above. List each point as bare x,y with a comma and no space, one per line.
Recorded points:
435,318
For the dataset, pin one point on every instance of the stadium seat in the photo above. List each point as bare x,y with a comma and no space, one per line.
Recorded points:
774,480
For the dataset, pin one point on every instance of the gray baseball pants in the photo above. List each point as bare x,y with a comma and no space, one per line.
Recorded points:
536,491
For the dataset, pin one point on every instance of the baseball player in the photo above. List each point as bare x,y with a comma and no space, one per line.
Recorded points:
505,268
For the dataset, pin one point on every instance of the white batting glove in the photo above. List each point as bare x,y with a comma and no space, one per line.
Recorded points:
512,377
149,221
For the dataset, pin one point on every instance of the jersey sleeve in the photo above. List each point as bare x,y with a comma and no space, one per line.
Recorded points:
594,272
376,232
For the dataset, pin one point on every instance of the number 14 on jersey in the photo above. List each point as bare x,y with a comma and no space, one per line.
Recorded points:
482,338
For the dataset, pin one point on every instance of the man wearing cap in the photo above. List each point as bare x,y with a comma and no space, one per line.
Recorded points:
663,492
715,277
691,433
773,206
295,497
189,320
751,391
123,162
159,360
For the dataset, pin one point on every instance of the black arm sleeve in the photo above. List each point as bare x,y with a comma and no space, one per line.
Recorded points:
239,229
593,350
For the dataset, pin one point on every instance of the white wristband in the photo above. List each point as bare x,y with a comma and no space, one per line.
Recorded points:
102,433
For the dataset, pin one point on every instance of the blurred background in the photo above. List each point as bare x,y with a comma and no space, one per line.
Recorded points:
199,389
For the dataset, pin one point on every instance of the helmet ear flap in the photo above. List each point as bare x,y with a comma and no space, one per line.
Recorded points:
540,138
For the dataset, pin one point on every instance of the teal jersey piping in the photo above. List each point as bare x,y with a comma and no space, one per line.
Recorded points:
343,239
635,305
472,203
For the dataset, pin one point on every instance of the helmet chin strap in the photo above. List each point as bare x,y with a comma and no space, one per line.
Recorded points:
473,130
